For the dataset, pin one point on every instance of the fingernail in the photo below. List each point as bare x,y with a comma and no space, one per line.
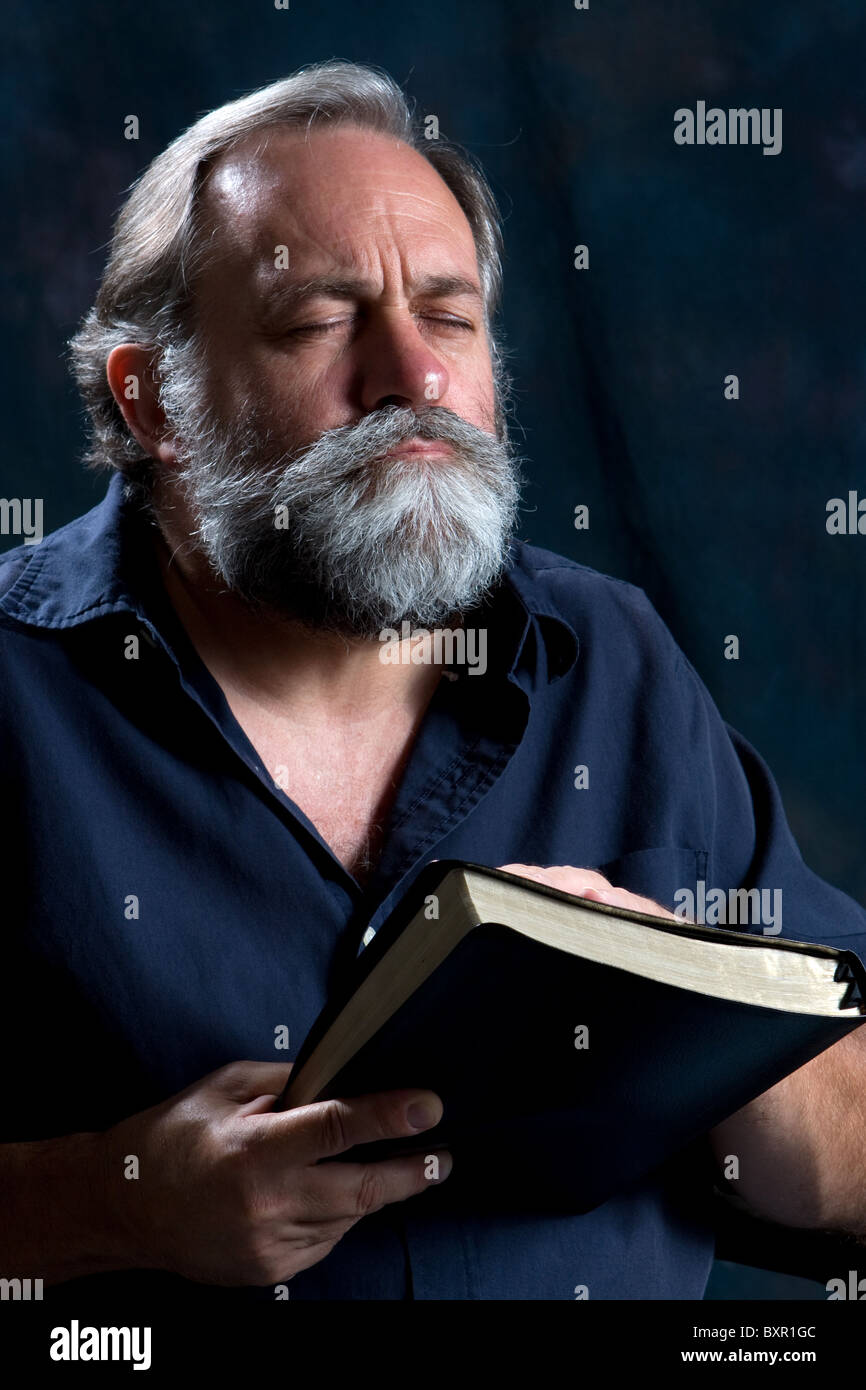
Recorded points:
421,1115
446,1163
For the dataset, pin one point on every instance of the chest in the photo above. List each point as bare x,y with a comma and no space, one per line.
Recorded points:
343,776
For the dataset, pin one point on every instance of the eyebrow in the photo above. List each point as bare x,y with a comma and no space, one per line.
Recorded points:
291,294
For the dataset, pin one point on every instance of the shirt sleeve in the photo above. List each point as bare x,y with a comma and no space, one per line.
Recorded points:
750,844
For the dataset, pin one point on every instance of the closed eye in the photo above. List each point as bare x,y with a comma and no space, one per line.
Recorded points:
448,320
327,325
319,327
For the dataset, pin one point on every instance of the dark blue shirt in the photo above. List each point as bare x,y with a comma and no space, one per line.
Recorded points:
170,907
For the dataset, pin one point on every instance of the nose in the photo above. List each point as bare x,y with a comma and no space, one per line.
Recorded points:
397,367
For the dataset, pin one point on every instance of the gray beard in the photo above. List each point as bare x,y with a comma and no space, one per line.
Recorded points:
340,538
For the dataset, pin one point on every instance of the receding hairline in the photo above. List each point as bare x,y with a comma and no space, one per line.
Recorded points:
254,149
220,214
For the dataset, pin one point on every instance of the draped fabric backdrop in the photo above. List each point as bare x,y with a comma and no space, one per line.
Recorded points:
704,261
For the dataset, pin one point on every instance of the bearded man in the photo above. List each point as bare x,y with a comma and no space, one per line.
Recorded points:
292,371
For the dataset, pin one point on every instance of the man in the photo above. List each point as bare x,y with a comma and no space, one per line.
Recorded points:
291,368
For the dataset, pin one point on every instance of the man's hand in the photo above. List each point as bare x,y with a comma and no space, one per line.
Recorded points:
229,1192
586,883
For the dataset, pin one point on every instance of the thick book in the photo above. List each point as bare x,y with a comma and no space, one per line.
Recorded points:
575,1046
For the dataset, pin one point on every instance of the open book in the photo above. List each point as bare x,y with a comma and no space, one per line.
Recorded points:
575,1046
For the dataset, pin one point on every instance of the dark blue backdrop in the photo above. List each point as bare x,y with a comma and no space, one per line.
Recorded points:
703,261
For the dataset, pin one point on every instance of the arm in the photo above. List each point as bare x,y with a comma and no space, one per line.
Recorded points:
801,1146
54,1223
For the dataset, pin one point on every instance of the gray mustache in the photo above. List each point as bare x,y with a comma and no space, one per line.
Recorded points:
382,429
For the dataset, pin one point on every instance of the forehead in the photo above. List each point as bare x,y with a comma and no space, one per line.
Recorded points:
335,198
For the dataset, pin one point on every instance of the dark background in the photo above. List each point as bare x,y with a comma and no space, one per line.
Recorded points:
704,261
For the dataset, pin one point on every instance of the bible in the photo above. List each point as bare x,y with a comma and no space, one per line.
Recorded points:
575,1046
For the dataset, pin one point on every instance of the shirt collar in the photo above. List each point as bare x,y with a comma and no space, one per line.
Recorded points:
558,638
81,571
103,563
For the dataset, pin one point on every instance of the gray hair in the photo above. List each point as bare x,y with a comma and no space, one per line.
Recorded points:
156,252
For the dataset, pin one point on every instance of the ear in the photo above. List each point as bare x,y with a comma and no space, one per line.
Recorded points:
130,374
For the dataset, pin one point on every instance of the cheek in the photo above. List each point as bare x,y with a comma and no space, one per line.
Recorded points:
473,397
477,384
298,406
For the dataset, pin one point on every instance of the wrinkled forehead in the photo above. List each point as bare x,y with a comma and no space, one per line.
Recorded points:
333,198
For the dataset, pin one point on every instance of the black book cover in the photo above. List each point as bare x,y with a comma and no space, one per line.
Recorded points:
534,1120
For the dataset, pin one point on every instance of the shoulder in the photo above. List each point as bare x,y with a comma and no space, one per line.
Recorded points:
598,607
